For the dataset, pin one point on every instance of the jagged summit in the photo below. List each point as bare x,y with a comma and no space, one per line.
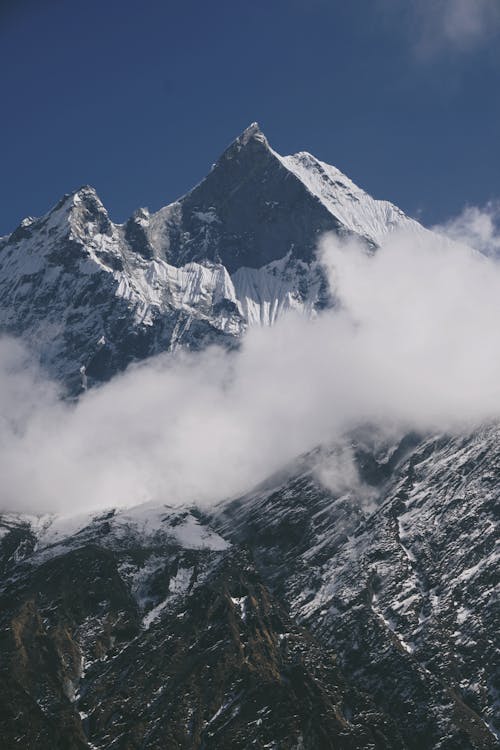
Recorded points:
86,192
244,213
255,206
80,214
86,198
252,133
253,129
238,249
83,194
251,144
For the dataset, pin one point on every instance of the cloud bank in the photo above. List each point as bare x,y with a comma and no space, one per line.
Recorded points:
412,343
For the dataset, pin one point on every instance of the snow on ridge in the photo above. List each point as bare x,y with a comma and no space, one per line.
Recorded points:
194,287
144,523
264,294
357,210
179,524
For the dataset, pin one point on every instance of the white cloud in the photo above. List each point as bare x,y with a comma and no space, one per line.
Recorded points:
447,25
476,227
464,22
414,345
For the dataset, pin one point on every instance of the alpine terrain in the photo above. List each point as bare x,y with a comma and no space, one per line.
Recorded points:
298,616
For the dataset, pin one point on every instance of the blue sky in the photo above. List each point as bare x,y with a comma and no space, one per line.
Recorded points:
139,98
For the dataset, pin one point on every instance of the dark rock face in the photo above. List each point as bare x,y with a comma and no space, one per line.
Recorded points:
354,618
398,578
136,235
259,211
218,663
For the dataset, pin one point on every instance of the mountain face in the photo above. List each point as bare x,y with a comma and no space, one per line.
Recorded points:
90,296
400,578
146,629
301,616
294,617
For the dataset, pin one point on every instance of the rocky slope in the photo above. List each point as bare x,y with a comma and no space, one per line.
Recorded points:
398,573
146,629
304,614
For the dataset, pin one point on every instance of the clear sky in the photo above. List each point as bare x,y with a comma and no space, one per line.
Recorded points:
139,98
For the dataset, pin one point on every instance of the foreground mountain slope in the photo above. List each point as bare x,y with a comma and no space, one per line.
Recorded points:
144,628
90,296
398,573
348,615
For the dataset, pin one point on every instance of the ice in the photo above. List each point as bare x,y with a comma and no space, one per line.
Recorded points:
178,586
357,210
241,605
154,614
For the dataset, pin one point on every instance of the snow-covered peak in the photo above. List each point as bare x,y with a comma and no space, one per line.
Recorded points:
84,197
255,206
78,215
145,523
85,193
356,209
238,249
252,137
253,131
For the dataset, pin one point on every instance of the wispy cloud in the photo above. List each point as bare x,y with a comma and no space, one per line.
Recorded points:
413,345
441,26
478,227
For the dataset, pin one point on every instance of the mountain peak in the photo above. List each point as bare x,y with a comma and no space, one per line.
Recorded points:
252,138
83,211
85,191
253,131
84,195
87,196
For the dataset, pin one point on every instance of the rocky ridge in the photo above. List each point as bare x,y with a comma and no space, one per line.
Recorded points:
90,296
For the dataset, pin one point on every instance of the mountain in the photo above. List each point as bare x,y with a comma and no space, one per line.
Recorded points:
296,616
90,296
144,628
399,576
308,613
